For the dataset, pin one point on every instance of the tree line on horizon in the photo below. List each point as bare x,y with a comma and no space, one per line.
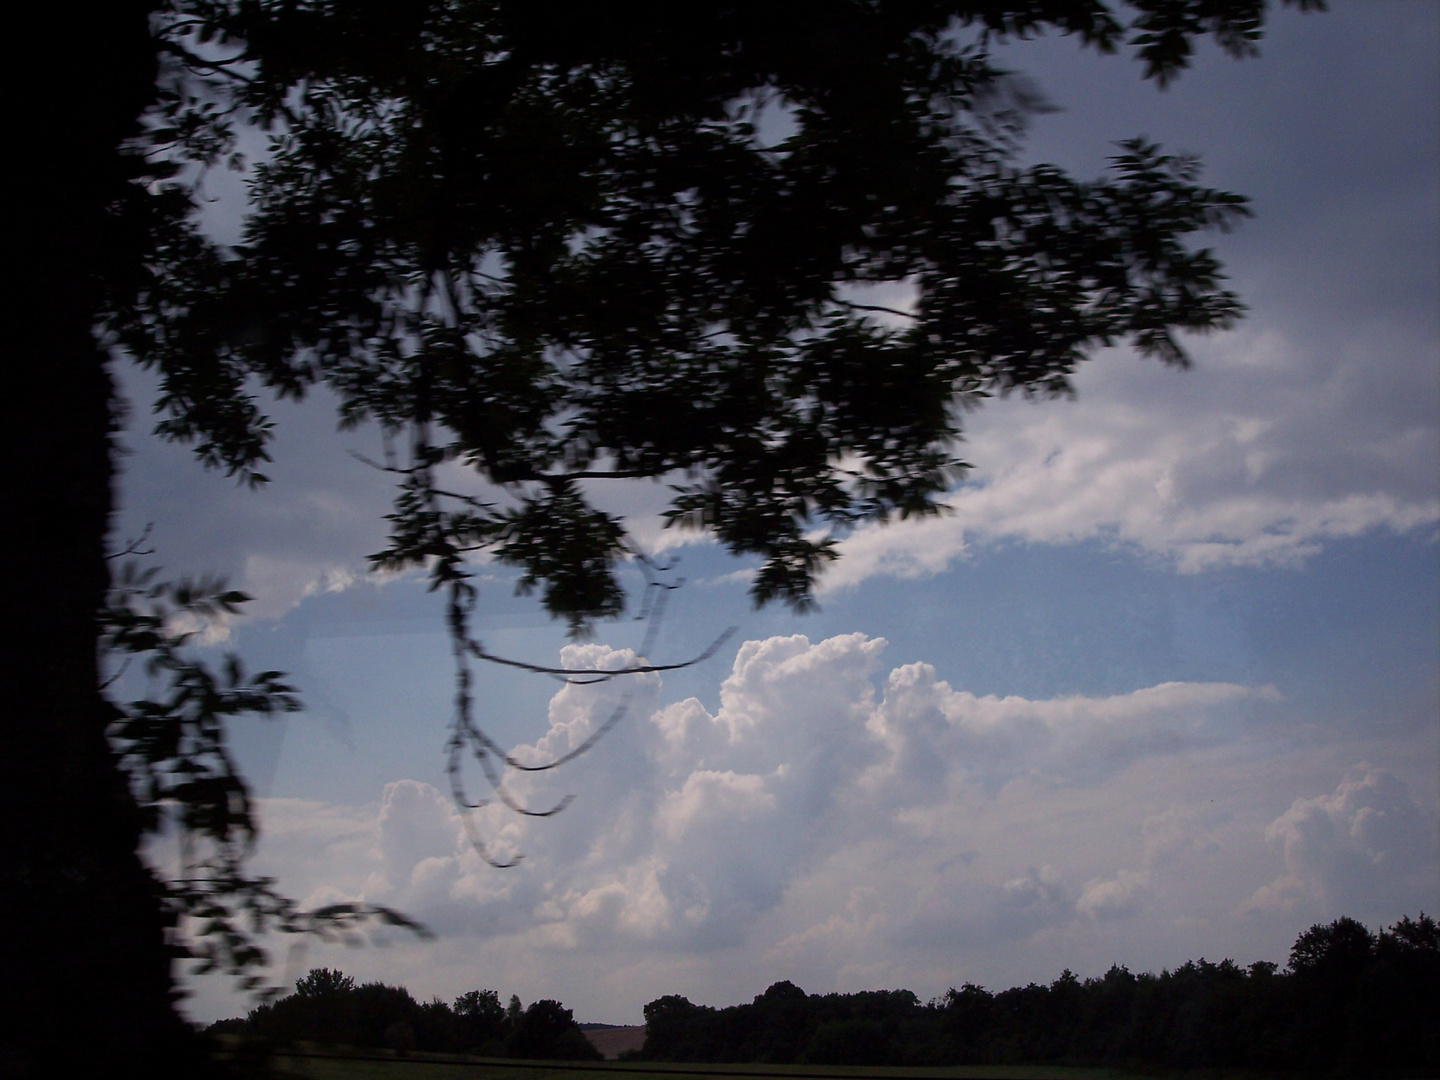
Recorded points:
329,1009
1349,1002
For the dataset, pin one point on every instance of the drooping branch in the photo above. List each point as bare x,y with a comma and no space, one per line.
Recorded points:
422,521
878,308
586,676
469,739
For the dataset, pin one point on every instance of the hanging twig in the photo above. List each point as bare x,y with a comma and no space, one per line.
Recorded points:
467,737
587,676
133,547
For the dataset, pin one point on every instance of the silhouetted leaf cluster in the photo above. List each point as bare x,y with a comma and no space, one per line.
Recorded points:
552,244
171,745
558,243
1352,1003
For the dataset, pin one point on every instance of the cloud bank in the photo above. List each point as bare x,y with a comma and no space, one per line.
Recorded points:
849,826
1266,451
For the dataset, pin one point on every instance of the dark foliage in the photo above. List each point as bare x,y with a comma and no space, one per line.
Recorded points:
557,244
1351,1004
542,239
329,1009
553,243
548,1030
171,744
480,1022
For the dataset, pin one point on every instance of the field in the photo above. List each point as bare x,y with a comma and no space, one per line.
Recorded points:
327,1066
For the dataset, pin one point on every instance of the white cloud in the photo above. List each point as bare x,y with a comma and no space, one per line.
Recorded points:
993,740
1343,851
1115,898
851,826
688,825
1270,448
714,798
417,826
1175,832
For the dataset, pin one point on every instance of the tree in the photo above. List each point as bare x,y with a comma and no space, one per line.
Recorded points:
1332,952
481,1020
85,926
559,251
328,1007
323,982
1329,962
559,243
1366,1002
548,1030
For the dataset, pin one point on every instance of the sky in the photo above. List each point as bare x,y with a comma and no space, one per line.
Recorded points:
1164,684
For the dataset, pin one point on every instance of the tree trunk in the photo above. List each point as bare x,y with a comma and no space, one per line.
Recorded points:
88,987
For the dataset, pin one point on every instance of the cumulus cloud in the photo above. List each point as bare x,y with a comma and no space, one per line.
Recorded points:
1269,449
852,824
1103,899
1038,898
1342,851
1175,831
688,824
417,826
995,739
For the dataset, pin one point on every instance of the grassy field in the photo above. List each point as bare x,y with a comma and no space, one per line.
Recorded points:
323,1066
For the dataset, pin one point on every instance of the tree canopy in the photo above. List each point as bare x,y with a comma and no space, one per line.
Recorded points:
554,244
551,246
561,244
328,1008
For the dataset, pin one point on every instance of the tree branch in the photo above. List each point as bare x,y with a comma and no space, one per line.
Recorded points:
881,308
584,676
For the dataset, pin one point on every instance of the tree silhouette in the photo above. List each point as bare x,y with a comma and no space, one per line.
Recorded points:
548,1030
559,244
85,923
1355,1004
1334,951
323,982
481,1022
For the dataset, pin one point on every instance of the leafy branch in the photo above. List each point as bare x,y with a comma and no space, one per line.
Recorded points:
171,744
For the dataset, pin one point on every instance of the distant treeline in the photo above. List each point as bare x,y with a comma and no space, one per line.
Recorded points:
327,1008
1351,1002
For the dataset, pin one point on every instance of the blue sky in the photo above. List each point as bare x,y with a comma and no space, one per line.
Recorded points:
1164,684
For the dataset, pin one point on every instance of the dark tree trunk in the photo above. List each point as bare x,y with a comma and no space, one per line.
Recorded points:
88,988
